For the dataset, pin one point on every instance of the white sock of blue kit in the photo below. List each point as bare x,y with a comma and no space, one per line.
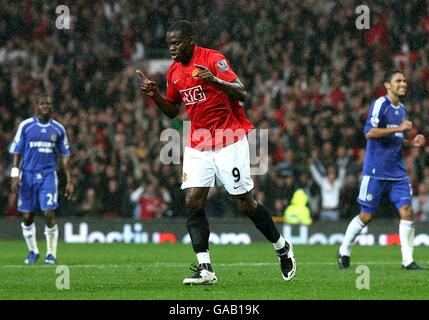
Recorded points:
51,240
29,233
355,227
406,236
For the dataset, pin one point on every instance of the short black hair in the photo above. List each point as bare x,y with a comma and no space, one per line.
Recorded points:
389,74
42,96
185,26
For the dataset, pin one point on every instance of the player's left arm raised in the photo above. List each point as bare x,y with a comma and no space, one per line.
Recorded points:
235,89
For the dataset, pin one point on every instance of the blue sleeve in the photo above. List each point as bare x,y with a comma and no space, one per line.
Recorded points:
63,143
375,115
18,143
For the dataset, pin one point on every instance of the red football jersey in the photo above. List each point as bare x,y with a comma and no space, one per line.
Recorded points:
149,206
216,120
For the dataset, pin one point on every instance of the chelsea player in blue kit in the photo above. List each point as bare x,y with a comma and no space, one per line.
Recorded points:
35,149
384,173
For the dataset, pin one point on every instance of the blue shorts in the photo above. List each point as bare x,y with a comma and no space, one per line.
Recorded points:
38,191
373,190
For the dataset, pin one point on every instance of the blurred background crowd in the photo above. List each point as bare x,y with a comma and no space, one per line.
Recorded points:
310,72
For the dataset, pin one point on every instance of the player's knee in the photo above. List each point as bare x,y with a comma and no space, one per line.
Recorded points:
194,204
245,204
50,218
406,212
365,217
27,218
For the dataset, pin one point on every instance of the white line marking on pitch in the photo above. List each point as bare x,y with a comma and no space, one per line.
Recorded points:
179,264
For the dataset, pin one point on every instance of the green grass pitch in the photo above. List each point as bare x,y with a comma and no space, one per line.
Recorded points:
132,271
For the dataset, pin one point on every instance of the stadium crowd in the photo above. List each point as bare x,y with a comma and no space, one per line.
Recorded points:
310,72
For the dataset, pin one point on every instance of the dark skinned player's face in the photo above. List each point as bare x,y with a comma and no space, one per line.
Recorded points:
181,47
397,85
44,108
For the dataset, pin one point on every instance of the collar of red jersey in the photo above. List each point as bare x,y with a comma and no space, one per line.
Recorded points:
191,62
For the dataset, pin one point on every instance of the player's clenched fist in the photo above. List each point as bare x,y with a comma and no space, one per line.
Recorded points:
148,87
406,125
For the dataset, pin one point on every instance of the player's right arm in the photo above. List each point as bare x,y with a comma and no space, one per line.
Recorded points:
384,132
15,171
16,149
150,89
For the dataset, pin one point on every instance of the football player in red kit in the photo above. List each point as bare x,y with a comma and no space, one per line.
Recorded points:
217,151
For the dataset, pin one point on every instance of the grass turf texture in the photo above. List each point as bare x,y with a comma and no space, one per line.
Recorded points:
131,271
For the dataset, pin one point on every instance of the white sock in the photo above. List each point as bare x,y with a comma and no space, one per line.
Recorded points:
51,240
29,233
203,257
280,243
353,230
406,236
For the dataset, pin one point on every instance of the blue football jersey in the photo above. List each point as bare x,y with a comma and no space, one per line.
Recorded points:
39,143
383,156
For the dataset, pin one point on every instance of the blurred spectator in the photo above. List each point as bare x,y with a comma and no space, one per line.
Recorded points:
91,205
298,212
420,202
278,188
152,202
330,187
11,209
349,193
112,200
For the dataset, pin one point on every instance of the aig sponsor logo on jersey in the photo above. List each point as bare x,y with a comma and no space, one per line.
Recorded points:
193,95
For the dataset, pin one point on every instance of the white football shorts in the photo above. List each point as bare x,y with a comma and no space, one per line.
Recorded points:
228,167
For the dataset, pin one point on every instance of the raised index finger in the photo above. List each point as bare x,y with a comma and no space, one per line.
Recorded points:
141,74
